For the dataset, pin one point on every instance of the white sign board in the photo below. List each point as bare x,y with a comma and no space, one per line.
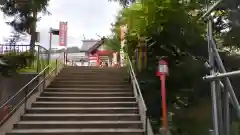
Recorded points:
163,69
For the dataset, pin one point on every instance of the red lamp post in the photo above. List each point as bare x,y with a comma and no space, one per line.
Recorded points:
162,72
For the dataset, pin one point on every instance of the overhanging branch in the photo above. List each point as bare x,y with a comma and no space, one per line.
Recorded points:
213,7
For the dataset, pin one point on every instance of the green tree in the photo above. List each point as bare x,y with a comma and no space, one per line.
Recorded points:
25,15
177,34
113,43
124,3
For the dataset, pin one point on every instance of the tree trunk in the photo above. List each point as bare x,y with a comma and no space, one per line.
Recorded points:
33,31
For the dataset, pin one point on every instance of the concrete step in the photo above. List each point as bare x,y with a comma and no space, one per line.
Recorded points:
76,132
80,117
87,94
90,72
101,75
84,101
89,79
87,86
110,82
77,124
85,73
77,72
88,99
84,104
83,110
105,75
93,69
88,90
92,75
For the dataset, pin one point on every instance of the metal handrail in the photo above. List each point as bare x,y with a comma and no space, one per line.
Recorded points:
28,93
25,86
141,103
137,84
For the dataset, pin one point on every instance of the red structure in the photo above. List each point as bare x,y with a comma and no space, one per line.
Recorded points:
63,33
101,54
162,72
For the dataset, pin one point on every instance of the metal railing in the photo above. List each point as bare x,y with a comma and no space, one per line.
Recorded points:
222,92
141,103
37,84
40,55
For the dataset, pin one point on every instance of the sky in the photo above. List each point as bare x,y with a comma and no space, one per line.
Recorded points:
85,17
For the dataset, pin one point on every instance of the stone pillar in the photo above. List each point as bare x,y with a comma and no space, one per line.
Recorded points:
115,59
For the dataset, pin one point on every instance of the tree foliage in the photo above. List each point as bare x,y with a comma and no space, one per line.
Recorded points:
124,3
25,13
227,22
175,29
13,61
22,12
112,43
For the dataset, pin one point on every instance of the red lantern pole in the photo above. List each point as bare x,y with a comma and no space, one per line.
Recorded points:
164,104
162,72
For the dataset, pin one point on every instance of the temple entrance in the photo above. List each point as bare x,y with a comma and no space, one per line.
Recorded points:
93,53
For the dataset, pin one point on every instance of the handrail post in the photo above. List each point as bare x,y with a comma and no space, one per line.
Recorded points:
56,68
25,96
64,58
44,79
38,59
146,123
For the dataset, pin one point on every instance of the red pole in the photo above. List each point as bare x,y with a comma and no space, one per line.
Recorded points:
98,60
164,104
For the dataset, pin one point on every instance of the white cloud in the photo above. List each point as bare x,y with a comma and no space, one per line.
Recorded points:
4,28
84,17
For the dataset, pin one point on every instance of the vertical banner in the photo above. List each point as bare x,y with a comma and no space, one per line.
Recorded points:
63,33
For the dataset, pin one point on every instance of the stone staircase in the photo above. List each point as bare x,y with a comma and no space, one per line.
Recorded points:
83,101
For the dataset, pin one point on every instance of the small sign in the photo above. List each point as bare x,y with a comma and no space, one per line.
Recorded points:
162,68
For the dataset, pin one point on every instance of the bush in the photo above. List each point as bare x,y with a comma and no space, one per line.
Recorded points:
15,61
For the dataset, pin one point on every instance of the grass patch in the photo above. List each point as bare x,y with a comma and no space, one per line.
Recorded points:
27,70
33,69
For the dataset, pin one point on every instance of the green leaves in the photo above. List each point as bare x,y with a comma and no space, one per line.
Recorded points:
22,12
124,3
177,34
174,27
113,43
15,61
